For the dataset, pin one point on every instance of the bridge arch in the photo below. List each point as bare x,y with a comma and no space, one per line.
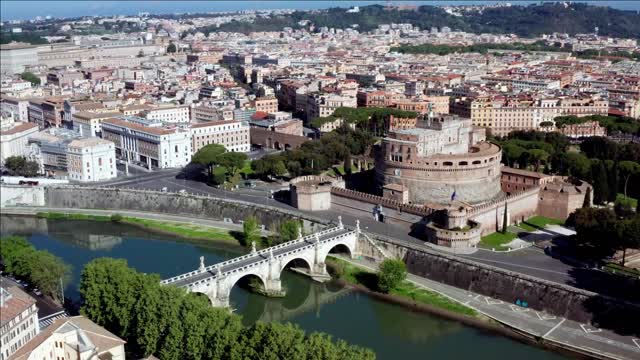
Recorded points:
297,260
338,248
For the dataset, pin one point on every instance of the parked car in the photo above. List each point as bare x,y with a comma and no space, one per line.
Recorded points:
182,191
164,189
37,292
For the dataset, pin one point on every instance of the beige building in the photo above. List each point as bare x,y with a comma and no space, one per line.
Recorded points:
14,140
234,135
266,104
325,105
502,116
91,159
14,57
204,113
89,123
73,338
168,114
19,319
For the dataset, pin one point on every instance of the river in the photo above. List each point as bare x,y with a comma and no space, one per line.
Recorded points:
392,331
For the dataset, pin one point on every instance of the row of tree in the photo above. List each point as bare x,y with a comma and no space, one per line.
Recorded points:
172,324
38,267
280,232
600,232
610,167
613,124
371,119
314,157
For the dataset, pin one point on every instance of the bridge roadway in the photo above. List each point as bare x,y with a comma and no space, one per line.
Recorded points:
237,263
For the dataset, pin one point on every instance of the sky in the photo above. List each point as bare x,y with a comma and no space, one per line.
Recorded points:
12,10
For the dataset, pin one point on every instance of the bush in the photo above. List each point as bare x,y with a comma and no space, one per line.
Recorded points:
392,273
116,218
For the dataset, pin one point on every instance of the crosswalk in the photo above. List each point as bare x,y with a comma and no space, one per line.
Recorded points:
48,320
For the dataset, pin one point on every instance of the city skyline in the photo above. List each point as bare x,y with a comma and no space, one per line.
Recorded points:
15,10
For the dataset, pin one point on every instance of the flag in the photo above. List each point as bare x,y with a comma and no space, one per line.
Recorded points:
453,196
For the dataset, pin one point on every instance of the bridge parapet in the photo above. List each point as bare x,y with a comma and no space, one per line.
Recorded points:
266,251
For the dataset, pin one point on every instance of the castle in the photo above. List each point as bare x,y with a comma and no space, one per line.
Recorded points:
441,159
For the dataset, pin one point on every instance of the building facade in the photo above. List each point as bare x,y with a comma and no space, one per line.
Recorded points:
14,141
233,135
19,316
91,159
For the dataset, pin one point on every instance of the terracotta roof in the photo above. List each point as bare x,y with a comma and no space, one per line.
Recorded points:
212,123
509,170
19,302
19,128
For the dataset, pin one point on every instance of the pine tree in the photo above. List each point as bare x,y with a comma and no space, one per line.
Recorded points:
504,219
587,199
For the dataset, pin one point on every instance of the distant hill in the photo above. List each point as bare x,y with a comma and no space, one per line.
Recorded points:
525,21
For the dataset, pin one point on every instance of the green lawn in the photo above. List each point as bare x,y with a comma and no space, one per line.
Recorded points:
186,230
622,270
356,275
246,169
64,216
539,222
496,240
620,198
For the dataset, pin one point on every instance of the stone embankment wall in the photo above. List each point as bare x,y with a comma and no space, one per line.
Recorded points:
21,195
520,206
77,197
554,298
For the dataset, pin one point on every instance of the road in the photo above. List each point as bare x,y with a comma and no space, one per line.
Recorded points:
567,333
531,261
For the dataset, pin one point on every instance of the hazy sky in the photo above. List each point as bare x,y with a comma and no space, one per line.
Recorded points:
10,9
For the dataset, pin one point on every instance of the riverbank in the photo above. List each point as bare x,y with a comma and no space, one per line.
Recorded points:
189,231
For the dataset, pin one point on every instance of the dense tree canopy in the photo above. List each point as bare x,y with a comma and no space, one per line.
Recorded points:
172,324
392,273
40,268
19,165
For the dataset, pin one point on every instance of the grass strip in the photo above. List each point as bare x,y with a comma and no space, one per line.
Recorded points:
539,222
496,240
358,276
185,230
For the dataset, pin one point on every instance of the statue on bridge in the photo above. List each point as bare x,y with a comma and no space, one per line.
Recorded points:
299,232
340,222
201,268
253,247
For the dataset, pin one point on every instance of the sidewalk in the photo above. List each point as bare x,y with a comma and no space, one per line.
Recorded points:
569,334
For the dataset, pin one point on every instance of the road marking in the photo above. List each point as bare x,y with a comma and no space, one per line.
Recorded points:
553,328
516,308
636,341
491,301
543,316
515,265
476,297
467,303
588,329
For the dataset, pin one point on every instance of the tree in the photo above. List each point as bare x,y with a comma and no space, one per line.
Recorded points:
251,231
505,221
612,178
289,230
596,231
15,163
232,161
628,169
538,156
30,77
392,273
219,175
347,164
208,156
600,183
172,48
628,235
587,198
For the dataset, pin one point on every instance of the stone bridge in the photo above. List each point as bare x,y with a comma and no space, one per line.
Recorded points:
216,281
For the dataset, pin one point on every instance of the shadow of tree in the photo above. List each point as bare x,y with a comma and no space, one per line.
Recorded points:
369,280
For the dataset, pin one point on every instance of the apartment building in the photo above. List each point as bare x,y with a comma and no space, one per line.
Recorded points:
503,115
233,135
14,141
34,112
168,114
17,107
15,57
377,98
204,113
266,104
53,111
19,319
91,159
73,338
145,142
89,123
321,105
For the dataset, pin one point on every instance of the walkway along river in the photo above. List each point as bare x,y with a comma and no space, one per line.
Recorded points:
392,331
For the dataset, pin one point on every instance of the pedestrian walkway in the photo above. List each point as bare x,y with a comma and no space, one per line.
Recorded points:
567,333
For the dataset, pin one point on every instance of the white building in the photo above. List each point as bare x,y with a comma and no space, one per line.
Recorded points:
138,140
14,57
19,319
91,159
234,135
73,338
14,140
168,115
15,106
89,123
